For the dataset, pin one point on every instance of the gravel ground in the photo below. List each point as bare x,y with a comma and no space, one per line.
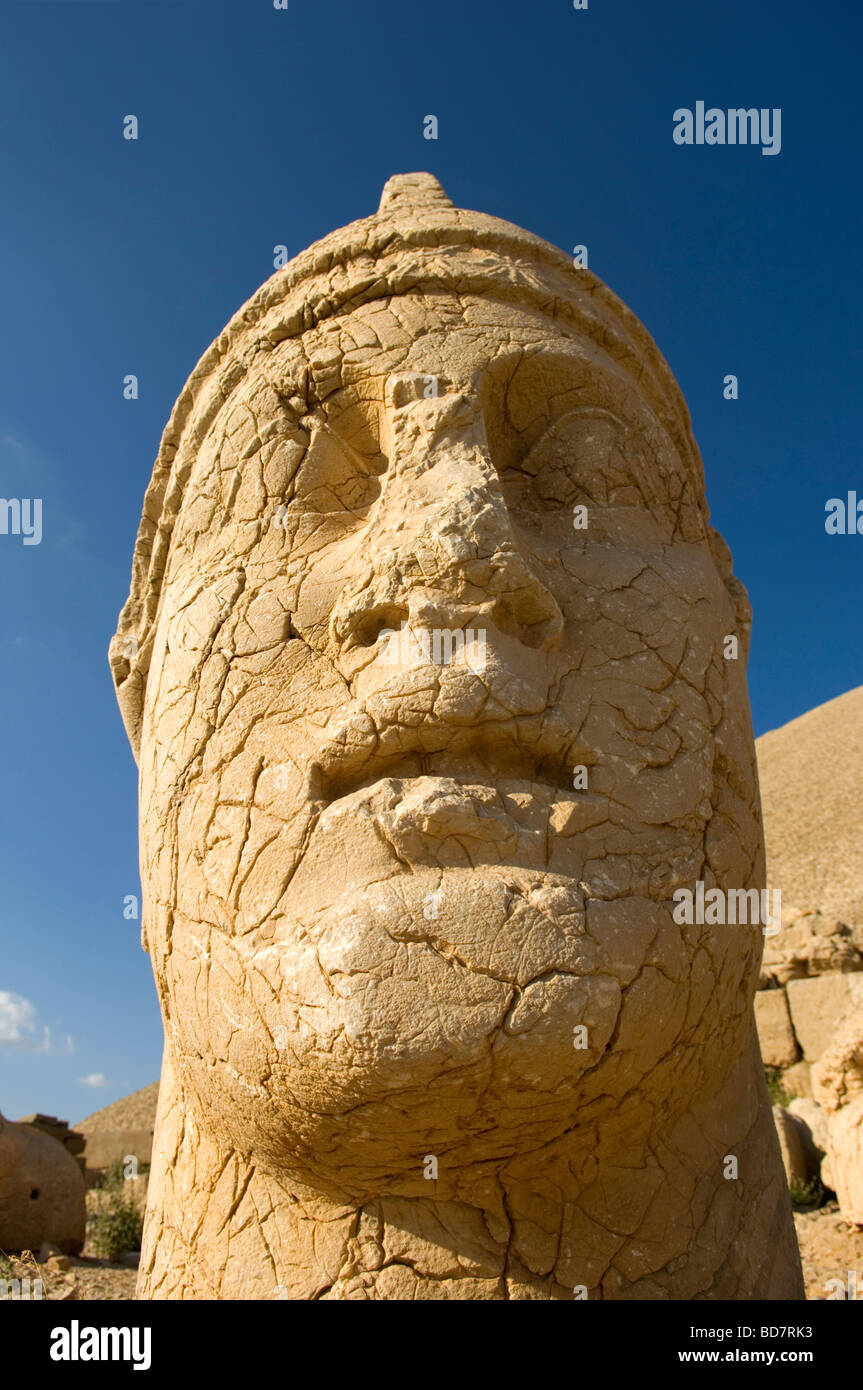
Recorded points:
830,1247
86,1278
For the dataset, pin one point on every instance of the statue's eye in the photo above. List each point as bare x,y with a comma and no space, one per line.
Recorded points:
335,479
582,457
586,459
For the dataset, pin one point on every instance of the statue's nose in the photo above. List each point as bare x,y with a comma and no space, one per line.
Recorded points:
441,542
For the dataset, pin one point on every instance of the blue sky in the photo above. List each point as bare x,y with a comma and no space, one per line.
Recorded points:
261,127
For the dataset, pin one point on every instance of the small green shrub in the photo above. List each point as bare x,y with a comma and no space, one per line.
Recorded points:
117,1226
776,1087
808,1196
114,1176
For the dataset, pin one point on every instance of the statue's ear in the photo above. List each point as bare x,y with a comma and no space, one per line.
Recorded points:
736,590
126,665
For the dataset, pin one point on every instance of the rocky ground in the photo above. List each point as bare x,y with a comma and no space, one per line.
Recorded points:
85,1278
830,1247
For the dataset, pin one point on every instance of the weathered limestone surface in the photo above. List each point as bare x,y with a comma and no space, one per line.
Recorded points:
431,1029
838,1086
815,1119
797,1079
810,943
42,1193
818,1006
775,1034
799,1158
72,1141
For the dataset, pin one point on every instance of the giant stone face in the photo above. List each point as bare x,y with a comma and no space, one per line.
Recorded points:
405,897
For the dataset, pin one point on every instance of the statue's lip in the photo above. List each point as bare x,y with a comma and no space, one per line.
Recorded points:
482,755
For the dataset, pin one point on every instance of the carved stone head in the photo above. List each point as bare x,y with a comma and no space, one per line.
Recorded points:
426,668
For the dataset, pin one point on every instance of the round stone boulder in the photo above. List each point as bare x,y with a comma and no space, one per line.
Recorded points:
42,1192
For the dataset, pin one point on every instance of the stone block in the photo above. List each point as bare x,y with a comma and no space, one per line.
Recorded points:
797,1080
796,1159
775,1034
817,1007
107,1146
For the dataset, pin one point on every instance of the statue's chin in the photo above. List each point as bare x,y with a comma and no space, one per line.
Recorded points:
453,1013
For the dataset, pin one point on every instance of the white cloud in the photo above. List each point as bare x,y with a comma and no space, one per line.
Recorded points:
13,445
94,1078
19,1029
17,1018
